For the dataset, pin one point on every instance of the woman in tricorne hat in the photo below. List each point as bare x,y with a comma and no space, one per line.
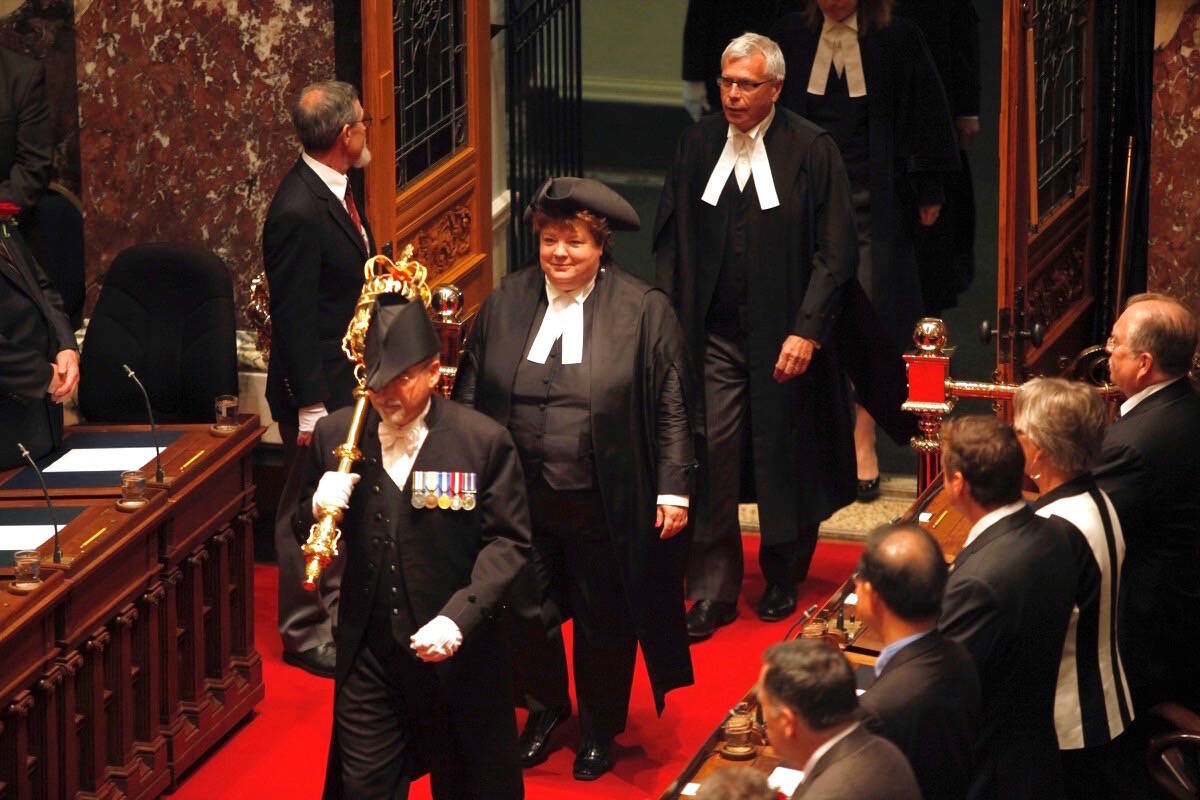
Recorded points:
585,365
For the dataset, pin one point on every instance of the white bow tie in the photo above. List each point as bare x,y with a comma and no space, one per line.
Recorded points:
406,438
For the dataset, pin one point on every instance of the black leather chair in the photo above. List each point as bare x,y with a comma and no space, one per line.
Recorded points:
1174,757
166,310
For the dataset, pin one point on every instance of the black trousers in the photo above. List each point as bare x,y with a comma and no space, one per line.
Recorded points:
574,573
394,721
715,562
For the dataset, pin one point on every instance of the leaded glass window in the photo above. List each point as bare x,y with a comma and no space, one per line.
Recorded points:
430,46
1060,63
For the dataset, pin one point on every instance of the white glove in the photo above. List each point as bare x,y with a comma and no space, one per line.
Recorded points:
437,640
695,99
334,489
308,416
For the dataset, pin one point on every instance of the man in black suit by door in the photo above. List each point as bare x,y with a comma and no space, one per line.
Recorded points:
315,242
1150,468
926,697
1008,600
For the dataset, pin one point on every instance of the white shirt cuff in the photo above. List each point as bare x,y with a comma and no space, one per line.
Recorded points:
673,500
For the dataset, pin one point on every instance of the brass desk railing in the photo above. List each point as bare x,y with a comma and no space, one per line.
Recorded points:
932,394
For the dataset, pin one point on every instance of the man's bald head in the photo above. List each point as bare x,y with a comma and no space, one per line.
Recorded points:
322,111
1164,328
906,569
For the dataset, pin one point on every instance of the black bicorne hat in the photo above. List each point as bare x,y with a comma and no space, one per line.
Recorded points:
399,336
569,195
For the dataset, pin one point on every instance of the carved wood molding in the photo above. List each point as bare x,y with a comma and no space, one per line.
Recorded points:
445,240
21,705
1059,285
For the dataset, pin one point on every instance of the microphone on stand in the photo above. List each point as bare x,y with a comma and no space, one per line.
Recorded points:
45,494
158,472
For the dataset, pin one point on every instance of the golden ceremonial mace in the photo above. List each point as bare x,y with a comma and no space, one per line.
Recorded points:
380,276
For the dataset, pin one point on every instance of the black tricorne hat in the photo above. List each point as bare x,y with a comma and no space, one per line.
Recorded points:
569,195
400,335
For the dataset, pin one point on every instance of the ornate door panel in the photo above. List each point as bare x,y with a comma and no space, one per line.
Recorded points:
426,83
1045,275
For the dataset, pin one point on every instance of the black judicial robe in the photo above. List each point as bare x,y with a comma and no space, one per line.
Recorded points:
635,342
911,141
454,563
33,330
801,432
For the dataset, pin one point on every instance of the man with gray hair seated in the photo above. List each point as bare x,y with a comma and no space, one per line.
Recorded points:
810,706
1150,467
736,783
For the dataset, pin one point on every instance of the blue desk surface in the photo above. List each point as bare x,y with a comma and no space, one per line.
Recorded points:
30,515
27,478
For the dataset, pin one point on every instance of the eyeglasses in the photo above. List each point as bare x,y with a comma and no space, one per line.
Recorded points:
365,121
745,86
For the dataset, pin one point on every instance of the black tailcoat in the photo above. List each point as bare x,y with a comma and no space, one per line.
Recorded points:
454,563
636,343
33,330
911,143
801,433
1150,468
927,702
314,260
1008,601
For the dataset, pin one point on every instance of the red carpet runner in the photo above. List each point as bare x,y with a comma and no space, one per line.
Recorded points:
280,752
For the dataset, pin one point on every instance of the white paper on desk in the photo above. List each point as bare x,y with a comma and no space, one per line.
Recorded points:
25,537
690,790
785,780
925,516
102,459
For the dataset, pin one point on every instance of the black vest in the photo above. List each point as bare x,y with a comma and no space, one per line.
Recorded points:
727,310
391,611
551,415
846,119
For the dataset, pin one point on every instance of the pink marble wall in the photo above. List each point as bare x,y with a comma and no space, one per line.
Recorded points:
1174,233
183,116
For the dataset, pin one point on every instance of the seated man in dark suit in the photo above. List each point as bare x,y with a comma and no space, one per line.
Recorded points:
926,697
1008,600
810,706
1150,468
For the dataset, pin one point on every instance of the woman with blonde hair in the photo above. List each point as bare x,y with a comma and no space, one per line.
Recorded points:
1060,425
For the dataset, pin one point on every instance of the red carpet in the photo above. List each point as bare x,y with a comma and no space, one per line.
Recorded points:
280,751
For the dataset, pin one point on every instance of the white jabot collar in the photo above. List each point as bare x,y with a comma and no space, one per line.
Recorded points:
399,446
838,47
760,166
564,317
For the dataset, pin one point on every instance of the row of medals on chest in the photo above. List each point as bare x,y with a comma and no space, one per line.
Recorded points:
445,490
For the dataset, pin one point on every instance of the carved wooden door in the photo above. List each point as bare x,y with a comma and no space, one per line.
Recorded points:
1045,277
426,83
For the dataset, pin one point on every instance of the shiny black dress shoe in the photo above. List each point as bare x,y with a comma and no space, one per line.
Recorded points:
705,616
778,602
534,744
319,660
868,491
593,759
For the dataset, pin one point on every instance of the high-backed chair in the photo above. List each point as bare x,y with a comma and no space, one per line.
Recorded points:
166,310
1174,756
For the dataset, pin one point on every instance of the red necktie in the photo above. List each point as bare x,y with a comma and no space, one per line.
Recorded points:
352,209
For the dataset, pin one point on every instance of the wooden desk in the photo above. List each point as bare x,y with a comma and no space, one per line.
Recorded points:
837,621
154,628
